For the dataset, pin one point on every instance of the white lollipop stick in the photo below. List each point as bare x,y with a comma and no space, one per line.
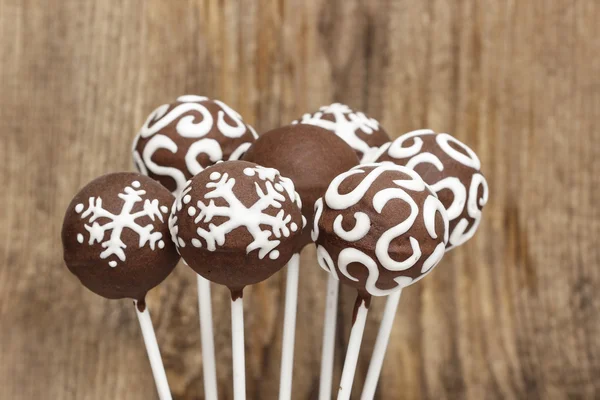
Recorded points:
289,328
381,344
237,346
328,349
353,349
208,344
158,370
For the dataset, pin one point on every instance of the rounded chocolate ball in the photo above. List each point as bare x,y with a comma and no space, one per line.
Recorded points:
116,236
237,223
310,156
451,169
379,228
179,140
365,135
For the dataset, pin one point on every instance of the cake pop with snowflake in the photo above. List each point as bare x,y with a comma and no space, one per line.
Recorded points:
379,228
451,169
116,238
237,223
364,134
179,140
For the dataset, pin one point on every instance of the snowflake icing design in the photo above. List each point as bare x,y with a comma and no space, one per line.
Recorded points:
346,123
253,218
125,219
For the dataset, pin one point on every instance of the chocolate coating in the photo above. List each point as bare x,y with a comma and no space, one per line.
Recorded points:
362,133
237,223
452,170
379,228
179,140
116,238
310,156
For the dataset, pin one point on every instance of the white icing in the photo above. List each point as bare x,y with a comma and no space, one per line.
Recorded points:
232,131
425,158
162,142
114,245
398,192
192,127
240,151
434,258
207,146
462,197
359,231
397,150
459,195
459,235
326,262
346,124
350,255
338,201
176,207
470,160
79,208
383,244
266,230
430,208
314,234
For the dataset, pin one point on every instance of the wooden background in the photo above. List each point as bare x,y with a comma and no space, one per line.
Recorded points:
513,314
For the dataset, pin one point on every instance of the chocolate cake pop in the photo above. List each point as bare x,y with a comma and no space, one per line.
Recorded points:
237,223
362,133
379,228
310,156
451,169
179,140
115,236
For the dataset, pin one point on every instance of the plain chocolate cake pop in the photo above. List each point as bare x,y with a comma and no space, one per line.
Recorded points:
116,238
237,223
179,140
310,156
379,228
451,169
362,133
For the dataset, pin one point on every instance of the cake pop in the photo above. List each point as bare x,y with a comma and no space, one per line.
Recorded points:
363,134
451,169
179,140
311,157
116,241
378,228
237,223
116,237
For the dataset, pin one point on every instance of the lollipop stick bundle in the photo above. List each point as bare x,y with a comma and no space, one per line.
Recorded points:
237,207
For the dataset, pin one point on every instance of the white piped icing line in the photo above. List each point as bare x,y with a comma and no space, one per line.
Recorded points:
340,202
126,218
346,124
253,218
462,196
187,127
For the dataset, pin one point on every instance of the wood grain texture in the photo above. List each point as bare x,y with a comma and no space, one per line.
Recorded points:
513,314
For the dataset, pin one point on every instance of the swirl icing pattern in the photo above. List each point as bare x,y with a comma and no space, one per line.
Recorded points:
363,134
237,213
379,228
451,169
179,140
